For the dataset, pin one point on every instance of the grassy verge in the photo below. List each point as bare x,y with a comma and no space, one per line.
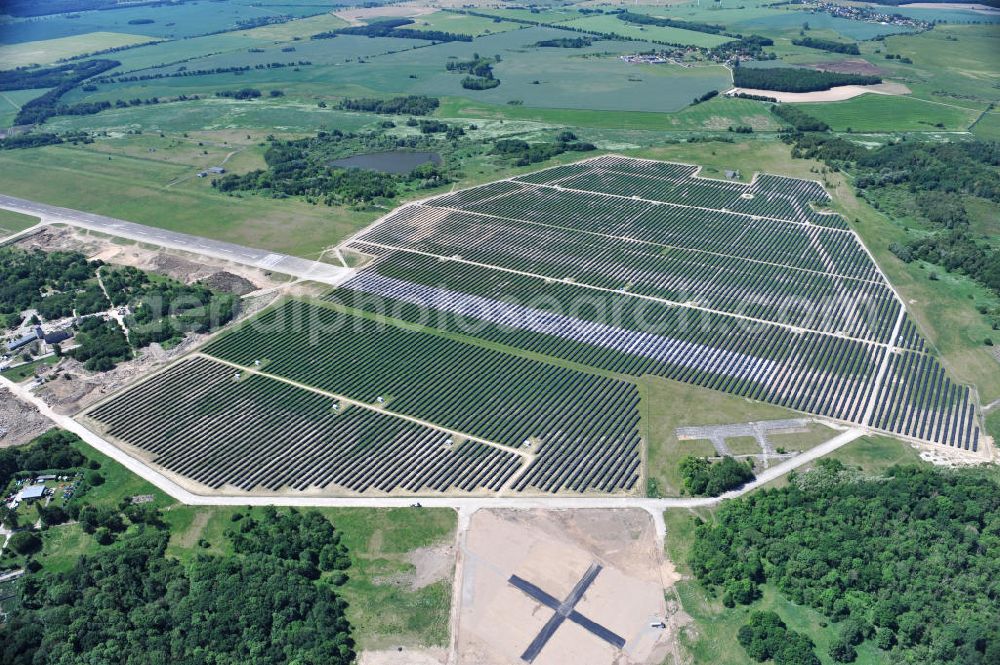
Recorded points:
27,370
667,405
13,222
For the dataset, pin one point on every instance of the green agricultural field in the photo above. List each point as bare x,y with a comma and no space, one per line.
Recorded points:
11,102
168,21
873,112
81,177
542,16
461,24
611,24
48,51
955,64
988,126
12,222
282,115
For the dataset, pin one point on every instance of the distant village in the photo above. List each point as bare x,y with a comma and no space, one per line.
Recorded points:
868,15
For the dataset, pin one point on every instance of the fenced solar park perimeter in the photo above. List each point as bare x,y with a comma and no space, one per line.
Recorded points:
494,341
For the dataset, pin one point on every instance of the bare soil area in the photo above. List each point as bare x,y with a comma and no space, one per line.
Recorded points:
19,422
216,274
837,94
553,549
357,15
848,67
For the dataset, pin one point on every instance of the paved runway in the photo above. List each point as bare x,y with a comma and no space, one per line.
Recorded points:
258,258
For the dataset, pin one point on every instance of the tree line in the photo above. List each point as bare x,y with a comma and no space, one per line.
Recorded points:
408,105
796,79
523,153
393,27
934,179
830,45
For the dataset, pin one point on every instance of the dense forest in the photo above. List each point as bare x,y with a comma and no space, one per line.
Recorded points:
54,283
796,79
272,601
703,477
409,105
766,637
102,344
830,45
909,560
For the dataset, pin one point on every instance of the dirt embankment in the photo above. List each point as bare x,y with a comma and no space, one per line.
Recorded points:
19,422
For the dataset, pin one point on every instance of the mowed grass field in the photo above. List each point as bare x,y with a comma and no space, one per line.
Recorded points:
12,222
136,188
667,405
988,126
50,50
613,25
462,24
11,102
868,113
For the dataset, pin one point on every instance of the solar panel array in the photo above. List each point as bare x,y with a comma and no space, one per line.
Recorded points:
493,342
749,288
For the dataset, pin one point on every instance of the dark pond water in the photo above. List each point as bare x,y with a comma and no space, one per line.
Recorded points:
388,162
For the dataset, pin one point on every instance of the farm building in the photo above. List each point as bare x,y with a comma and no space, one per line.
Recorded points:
32,492
34,336
57,336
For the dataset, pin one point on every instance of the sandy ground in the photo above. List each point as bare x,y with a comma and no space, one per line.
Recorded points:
356,15
553,549
838,94
431,564
853,66
232,277
19,422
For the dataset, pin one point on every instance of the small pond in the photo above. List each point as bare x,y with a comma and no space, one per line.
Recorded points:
388,162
